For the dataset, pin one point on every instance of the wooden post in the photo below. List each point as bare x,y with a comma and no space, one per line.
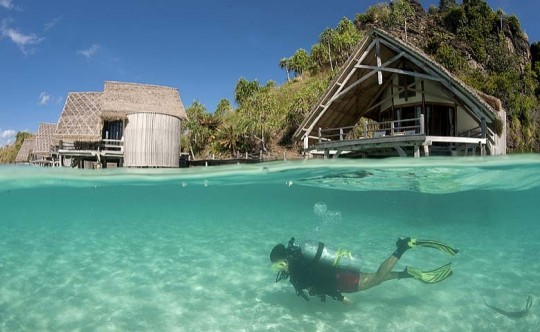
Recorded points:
422,131
379,62
483,127
326,154
416,151
341,134
320,134
365,130
392,128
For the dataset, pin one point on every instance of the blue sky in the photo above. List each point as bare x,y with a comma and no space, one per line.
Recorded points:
202,47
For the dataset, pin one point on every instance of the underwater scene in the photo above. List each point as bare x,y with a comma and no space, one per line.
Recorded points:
188,249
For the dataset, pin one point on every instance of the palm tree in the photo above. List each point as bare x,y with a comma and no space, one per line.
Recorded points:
284,63
300,61
223,107
228,138
245,89
402,10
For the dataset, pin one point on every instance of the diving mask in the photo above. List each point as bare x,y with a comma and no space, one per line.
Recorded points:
281,268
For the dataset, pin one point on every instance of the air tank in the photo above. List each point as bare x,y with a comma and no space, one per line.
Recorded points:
341,259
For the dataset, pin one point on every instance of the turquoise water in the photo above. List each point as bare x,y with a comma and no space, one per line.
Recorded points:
187,249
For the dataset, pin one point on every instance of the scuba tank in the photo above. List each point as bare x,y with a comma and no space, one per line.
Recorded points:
318,253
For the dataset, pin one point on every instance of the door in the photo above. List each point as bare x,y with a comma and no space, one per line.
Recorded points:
440,120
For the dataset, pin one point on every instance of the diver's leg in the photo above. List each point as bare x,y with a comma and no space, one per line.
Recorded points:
368,280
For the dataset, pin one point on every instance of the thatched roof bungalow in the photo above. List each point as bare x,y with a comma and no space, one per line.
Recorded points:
23,156
152,116
136,125
392,99
81,118
43,150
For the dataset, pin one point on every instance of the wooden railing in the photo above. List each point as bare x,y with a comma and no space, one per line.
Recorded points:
482,131
374,130
102,145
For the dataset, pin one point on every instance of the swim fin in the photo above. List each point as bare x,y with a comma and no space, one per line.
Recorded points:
411,243
429,277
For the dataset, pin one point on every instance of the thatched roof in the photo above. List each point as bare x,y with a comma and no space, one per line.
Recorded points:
43,142
80,119
354,91
122,98
26,149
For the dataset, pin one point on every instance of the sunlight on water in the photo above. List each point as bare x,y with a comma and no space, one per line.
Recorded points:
187,249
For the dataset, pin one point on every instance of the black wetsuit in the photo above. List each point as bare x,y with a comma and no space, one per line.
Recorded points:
317,280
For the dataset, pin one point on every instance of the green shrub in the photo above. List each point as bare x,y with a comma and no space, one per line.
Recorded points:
450,58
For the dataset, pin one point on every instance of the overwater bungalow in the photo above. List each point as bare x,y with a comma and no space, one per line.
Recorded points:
391,99
43,152
24,154
128,124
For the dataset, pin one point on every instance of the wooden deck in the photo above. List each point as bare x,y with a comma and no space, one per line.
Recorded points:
401,136
398,142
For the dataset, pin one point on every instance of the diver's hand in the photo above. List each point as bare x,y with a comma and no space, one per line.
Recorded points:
346,300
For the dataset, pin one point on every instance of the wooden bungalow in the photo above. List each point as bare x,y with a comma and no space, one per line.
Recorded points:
79,131
149,117
128,124
44,152
24,154
391,99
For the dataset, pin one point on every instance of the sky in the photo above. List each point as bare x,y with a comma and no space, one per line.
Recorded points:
202,47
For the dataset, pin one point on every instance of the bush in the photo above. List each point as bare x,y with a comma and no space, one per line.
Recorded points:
450,58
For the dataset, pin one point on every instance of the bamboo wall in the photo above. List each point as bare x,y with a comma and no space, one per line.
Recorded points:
151,140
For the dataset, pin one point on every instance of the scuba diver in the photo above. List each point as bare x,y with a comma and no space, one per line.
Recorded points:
324,271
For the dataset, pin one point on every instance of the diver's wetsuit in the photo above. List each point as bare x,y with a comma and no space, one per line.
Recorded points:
316,279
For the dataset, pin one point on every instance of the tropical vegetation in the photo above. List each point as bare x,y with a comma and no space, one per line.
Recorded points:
9,153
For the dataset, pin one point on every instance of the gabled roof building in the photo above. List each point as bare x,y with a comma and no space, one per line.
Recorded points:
392,99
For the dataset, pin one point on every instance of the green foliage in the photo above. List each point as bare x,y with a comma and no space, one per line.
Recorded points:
200,127
378,14
480,21
245,89
499,59
450,58
300,61
514,25
333,49
446,5
401,11
455,19
9,153
223,107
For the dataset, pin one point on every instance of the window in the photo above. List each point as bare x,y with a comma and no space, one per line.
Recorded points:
407,86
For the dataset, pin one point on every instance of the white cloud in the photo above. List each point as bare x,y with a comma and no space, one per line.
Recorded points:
89,53
49,25
7,136
22,40
8,133
44,98
7,4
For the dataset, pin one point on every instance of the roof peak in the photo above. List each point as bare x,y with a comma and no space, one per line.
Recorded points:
140,84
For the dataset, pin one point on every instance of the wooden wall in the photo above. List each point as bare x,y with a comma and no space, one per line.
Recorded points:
151,140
